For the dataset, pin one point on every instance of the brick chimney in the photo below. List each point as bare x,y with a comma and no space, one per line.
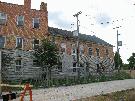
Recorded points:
27,5
43,6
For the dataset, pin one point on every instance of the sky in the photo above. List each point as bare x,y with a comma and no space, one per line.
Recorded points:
98,18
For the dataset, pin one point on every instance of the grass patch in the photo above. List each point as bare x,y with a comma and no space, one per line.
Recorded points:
125,95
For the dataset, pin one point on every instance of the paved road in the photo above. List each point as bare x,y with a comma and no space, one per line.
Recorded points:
80,91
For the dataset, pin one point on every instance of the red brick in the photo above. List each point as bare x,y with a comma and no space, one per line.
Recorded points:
26,32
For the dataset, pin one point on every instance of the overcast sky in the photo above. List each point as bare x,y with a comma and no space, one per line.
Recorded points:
102,17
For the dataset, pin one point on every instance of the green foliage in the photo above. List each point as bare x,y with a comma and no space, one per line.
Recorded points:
117,60
68,81
125,66
46,53
124,95
131,61
121,76
6,59
7,89
47,57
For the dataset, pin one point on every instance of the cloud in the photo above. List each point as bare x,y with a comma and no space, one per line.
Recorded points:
59,20
103,19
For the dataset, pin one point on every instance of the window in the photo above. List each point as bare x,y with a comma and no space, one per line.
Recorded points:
18,65
74,69
63,47
19,42
73,49
35,63
2,42
97,51
107,52
81,49
3,18
35,22
90,52
74,60
20,20
35,43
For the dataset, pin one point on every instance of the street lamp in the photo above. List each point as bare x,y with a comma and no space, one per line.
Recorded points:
77,48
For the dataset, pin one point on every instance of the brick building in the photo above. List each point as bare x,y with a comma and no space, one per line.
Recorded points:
92,50
21,26
89,45
21,29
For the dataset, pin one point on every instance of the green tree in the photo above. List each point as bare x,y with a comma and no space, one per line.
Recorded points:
131,61
6,61
125,66
117,61
47,57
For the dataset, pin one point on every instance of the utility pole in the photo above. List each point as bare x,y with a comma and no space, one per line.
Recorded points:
77,47
0,72
119,43
118,48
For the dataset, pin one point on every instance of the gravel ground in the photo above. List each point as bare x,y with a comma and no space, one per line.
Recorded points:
70,93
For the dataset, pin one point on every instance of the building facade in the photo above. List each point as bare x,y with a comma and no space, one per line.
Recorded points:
20,26
22,29
89,45
92,50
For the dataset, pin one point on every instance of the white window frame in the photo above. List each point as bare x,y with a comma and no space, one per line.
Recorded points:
33,22
5,41
22,41
18,20
18,66
3,17
35,44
